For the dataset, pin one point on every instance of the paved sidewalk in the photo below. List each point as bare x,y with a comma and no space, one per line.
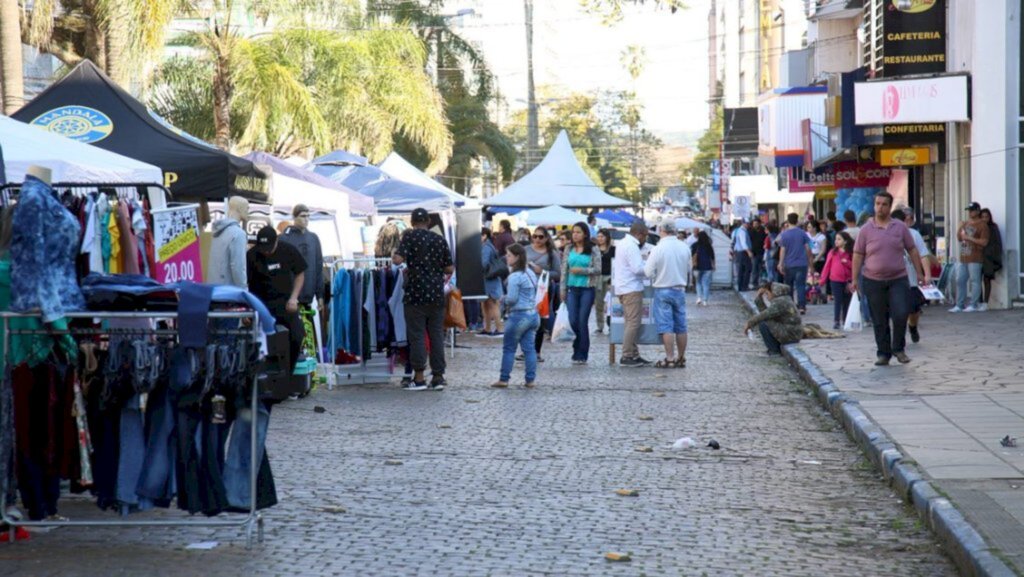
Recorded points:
947,410
477,481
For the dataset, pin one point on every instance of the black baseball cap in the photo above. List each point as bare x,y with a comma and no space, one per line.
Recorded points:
420,215
266,238
974,206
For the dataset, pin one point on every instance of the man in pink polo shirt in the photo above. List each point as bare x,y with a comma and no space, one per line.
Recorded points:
879,250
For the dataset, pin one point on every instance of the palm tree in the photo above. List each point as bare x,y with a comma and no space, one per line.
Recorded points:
119,36
11,74
301,90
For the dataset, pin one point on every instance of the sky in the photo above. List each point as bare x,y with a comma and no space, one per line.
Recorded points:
577,52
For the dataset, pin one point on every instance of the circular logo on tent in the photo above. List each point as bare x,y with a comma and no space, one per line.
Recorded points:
79,123
890,103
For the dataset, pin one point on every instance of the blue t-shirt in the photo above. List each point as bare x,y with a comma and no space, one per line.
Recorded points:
794,240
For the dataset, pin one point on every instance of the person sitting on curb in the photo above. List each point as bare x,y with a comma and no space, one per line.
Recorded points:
779,319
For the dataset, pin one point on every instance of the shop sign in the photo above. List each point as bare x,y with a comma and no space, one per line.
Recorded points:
920,100
176,240
861,175
915,37
916,156
801,180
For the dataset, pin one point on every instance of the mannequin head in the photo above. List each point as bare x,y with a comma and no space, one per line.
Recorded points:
238,208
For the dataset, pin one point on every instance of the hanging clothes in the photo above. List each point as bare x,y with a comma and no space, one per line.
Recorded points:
44,244
114,263
398,309
339,318
129,244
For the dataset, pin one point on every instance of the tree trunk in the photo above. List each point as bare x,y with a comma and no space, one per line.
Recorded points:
115,49
12,76
222,89
532,129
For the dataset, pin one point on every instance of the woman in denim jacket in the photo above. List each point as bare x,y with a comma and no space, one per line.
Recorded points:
523,320
581,271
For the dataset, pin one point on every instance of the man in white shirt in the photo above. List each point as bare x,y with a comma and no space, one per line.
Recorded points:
744,255
628,279
668,267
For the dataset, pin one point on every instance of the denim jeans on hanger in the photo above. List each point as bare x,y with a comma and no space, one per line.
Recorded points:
236,467
131,456
157,482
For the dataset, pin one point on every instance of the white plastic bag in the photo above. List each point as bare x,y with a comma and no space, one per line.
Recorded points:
854,322
562,332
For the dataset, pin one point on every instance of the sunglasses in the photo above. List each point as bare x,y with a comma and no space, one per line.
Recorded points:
540,236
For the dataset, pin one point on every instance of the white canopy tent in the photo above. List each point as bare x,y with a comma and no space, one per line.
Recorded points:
688,224
68,160
401,169
550,216
558,179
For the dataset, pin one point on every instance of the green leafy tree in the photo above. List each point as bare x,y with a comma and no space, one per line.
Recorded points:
707,151
611,10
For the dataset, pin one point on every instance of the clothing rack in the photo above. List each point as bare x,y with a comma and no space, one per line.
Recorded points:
124,190
362,373
252,521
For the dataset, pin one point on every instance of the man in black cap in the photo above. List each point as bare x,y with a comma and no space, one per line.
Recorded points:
429,261
276,273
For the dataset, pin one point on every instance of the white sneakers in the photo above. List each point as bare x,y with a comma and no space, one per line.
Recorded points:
956,309
969,309
983,307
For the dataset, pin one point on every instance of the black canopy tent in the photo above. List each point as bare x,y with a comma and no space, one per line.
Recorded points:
88,106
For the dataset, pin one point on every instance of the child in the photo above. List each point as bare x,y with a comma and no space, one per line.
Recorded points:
838,271
523,320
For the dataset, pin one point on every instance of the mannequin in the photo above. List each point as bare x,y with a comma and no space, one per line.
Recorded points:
227,250
41,172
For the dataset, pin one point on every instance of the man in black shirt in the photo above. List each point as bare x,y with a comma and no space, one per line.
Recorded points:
276,273
428,261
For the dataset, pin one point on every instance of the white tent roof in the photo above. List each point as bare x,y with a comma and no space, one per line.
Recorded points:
399,168
558,179
552,215
69,161
685,223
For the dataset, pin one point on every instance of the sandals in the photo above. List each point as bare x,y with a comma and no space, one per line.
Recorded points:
681,363
665,364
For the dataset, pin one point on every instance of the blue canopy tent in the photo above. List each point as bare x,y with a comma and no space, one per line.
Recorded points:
617,217
396,196
341,158
359,204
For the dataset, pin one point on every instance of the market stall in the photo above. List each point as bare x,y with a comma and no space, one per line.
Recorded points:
87,106
108,368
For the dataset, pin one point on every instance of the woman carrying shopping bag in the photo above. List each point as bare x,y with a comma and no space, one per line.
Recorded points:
523,320
541,256
581,269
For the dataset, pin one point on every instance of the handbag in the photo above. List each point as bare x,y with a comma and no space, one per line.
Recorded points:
454,314
496,268
542,301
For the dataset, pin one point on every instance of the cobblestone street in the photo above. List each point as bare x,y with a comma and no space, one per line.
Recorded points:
521,482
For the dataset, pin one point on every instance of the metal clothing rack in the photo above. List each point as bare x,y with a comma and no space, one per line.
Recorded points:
252,521
361,373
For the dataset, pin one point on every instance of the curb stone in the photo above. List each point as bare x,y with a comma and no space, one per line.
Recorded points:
968,549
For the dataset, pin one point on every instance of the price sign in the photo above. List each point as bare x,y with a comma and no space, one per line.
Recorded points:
176,239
